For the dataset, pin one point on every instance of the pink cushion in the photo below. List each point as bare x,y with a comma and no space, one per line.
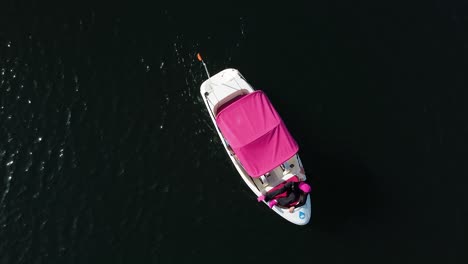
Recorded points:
283,194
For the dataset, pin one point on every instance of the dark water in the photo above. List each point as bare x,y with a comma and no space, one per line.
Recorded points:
107,154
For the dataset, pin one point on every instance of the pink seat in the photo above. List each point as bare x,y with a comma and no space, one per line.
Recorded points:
283,194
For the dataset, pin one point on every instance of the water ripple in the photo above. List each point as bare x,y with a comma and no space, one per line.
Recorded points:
82,155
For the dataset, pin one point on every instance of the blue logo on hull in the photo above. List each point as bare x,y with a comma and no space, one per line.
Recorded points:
301,215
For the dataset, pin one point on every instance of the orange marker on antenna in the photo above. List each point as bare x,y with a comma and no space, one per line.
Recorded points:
204,65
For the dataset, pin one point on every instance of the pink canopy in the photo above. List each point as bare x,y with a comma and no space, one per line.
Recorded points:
256,133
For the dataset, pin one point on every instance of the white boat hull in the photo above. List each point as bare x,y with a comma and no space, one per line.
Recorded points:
223,87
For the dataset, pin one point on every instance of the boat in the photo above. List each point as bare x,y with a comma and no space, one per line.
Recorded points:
255,138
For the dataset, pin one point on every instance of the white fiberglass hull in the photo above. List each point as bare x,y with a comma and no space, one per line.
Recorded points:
223,87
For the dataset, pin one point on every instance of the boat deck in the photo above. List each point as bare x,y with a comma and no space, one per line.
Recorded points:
280,174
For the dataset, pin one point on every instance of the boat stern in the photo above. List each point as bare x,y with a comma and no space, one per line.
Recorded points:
300,216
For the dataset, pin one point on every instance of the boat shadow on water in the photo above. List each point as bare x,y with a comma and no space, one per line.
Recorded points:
344,196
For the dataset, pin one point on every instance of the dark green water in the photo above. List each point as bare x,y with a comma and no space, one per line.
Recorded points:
107,153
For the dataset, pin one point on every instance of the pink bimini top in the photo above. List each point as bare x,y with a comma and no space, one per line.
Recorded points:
256,133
